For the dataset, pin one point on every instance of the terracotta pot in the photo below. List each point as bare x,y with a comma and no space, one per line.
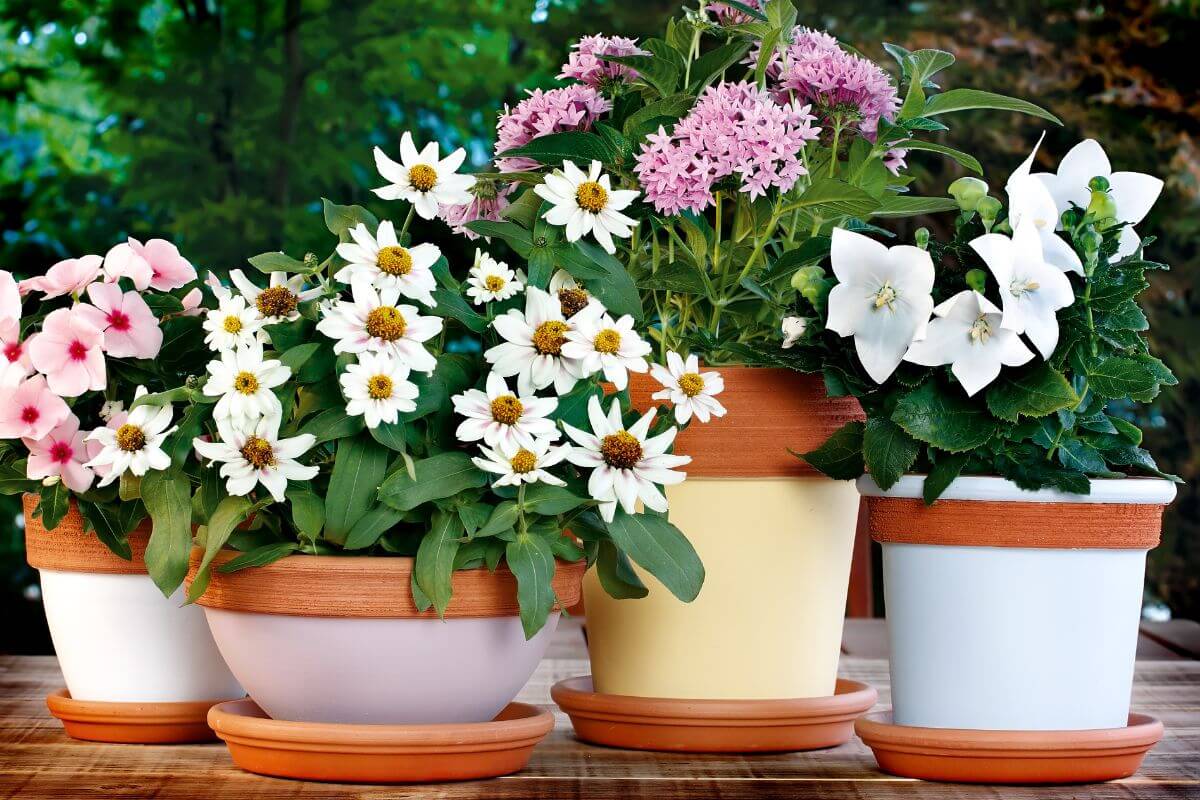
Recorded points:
338,639
776,539
1011,610
118,640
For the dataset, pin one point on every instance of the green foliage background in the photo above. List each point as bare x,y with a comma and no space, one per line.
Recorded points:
219,124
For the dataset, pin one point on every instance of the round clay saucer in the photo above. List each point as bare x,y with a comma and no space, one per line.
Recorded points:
319,751
1014,757
132,723
713,726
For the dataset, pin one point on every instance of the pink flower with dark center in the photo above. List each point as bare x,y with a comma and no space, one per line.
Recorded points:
14,354
69,352
571,108
585,66
60,453
30,410
168,269
130,327
487,203
123,261
69,276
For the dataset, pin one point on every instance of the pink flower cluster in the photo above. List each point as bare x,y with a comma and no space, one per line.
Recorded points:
585,66
487,201
570,108
734,128
726,15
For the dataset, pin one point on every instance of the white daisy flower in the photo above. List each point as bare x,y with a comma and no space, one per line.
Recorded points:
280,301
423,180
387,265
232,323
517,464
587,203
377,388
533,345
503,420
243,381
135,446
490,280
255,454
572,297
625,464
600,343
374,323
689,390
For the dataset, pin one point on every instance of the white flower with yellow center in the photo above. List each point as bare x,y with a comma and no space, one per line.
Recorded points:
490,280
601,344
280,301
517,464
243,381
423,180
232,323
377,388
533,346
586,203
689,390
572,297
626,466
381,260
135,446
374,322
250,455
502,419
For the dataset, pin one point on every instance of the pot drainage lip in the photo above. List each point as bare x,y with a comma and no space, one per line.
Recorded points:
132,722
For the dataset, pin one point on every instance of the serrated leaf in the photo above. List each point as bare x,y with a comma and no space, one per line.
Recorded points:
1036,393
946,468
841,456
943,420
888,451
1118,376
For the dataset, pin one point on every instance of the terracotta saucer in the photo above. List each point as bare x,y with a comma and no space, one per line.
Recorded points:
967,756
132,723
712,726
318,751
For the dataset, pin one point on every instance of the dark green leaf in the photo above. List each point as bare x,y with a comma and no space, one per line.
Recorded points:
452,306
358,469
616,574
659,548
260,556
947,467
552,149
942,419
332,423
434,566
442,475
1036,393
547,500
532,562
168,498
229,514
841,456
887,451
340,219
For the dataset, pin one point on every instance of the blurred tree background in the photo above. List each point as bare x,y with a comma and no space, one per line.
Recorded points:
220,124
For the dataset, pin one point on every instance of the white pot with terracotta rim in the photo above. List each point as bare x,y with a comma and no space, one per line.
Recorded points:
117,638
338,639
1010,609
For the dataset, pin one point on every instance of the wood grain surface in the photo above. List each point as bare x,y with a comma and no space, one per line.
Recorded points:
38,761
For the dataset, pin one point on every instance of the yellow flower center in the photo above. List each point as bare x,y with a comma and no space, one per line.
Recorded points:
387,323
379,387
621,450
572,301
507,409
130,438
494,283
691,384
886,296
278,301
246,382
591,196
981,331
422,177
258,452
524,461
232,324
394,260
549,338
607,341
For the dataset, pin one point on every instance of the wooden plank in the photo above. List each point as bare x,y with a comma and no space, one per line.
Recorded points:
1180,636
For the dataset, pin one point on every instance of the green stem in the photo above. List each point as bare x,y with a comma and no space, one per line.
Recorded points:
407,222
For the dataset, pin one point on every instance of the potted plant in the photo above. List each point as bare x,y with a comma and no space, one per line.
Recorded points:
1003,375
746,161
84,428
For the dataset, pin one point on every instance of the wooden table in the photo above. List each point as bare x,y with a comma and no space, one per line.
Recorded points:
38,761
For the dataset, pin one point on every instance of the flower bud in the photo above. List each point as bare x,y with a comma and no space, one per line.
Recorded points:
310,261
804,277
1102,207
1098,184
921,235
1090,240
977,280
968,192
989,209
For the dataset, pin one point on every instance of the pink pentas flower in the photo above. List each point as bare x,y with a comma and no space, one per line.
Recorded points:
130,327
584,63
14,354
571,108
69,276
60,453
726,15
488,200
69,352
30,410
895,160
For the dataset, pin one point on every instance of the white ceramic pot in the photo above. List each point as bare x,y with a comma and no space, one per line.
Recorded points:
1014,610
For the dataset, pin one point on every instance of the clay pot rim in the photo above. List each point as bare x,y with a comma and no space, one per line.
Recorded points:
61,703
1127,491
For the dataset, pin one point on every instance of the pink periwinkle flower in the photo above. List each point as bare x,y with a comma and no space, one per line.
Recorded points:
734,129
60,453
585,66
69,276
156,264
571,108
487,201
69,352
14,354
191,303
30,410
130,327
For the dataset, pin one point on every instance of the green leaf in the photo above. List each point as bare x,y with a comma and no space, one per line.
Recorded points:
390,435
547,500
1036,393
902,205
293,358
1118,377
260,556
765,52
678,276
443,475
277,262
967,99
947,467
660,549
965,159
648,118
713,63
532,562
54,501
308,511
660,73
113,523
358,468
830,195
451,305
582,147
888,451
376,522
229,514
176,395
516,237
572,406
168,498
1075,454
340,219
332,423
503,518
942,419
604,276
841,456
433,570
924,64
616,574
